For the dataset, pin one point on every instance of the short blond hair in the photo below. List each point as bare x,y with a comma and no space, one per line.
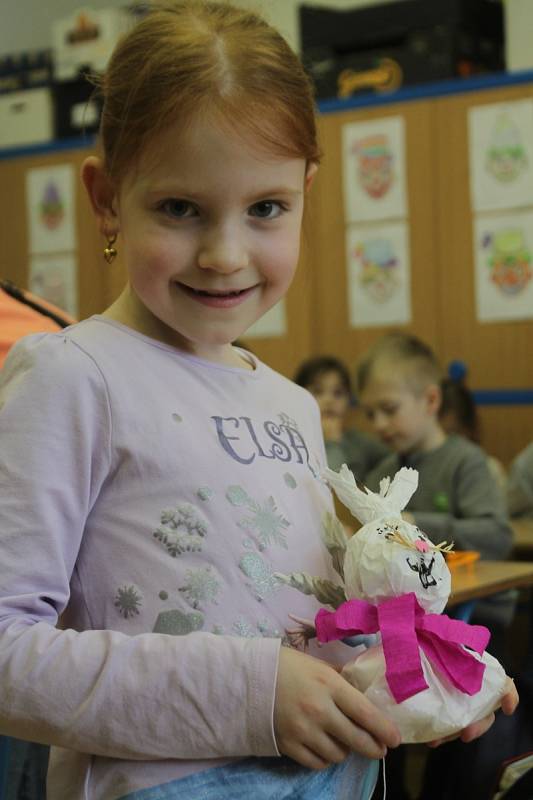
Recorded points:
404,351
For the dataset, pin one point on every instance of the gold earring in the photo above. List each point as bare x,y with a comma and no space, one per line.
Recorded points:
110,252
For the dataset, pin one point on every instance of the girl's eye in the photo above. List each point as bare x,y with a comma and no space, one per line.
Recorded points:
267,209
178,209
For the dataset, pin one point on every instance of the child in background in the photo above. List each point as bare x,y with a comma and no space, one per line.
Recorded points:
398,383
457,500
328,380
154,478
458,414
520,484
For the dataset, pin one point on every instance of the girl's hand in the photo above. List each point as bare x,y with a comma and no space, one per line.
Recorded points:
477,729
319,718
300,636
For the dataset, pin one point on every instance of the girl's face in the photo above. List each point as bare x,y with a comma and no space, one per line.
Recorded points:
209,229
330,394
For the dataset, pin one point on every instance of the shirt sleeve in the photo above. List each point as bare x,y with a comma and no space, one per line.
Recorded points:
149,696
478,521
520,484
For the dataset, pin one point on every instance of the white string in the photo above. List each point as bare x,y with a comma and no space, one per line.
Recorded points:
384,781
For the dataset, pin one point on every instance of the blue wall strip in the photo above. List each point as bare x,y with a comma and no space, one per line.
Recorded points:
427,90
503,397
417,92
56,146
495,397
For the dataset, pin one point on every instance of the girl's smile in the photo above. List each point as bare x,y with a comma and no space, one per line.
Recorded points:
218,298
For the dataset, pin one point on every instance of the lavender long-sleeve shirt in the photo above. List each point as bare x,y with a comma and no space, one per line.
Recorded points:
146,499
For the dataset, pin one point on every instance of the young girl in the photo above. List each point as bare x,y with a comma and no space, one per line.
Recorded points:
154,478
458,414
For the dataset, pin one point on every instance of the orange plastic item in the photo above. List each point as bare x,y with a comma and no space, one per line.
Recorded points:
461,558
18,319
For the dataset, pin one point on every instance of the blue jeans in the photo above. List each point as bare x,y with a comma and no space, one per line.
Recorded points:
271,779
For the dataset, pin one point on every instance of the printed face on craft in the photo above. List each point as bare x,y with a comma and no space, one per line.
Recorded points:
210,231
330,393
400,416
398,558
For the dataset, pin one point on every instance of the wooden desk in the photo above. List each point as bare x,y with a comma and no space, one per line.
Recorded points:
523,537
488,577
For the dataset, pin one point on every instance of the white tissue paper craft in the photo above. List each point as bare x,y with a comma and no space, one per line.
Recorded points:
427,672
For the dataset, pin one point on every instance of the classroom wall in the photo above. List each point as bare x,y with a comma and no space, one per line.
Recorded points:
443,295
17,33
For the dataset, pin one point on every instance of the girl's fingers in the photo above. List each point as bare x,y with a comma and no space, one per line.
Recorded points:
366,716
326,747
510,698
306,757
477,729
355,738
468,734
307,623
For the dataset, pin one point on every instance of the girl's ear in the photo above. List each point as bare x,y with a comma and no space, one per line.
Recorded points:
102,194
434,398
310,174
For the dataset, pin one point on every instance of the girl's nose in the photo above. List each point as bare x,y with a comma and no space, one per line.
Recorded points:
379,421
223,250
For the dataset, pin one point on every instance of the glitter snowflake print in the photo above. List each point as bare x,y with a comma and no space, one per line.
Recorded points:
260,573
237,496
182,529
201,587
128,599
176,623
248,630
266,522
290,480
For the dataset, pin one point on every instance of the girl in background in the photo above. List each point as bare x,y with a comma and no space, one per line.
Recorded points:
328,380
458,414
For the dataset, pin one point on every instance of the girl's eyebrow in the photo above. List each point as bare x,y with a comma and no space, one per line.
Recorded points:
173,190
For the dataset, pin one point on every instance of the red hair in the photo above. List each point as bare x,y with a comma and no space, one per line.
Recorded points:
188,58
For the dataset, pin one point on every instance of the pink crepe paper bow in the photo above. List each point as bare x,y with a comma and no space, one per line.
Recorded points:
405,627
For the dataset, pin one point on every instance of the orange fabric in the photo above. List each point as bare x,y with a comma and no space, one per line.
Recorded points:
17,320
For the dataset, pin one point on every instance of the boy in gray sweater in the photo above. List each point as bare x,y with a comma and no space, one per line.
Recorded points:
398,383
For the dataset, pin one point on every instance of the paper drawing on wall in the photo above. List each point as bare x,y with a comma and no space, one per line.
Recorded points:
504,270
375,164
54,278
378,266
52,206
506,156
50,209
378,275
508,260
501,155
374,169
